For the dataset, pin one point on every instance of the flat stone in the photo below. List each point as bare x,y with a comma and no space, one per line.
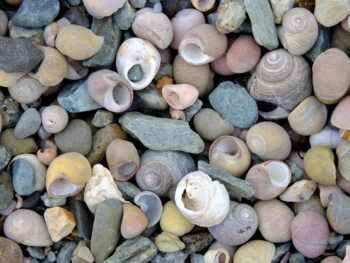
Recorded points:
33,13
124,16
151,98
51,257
23,177
51,202
83,219
193,110
28,124
102,118
82,254
18,55
59,221
323,43
6,190
66,253
234,104
280,251
167,242
34,35
32,200
129,190
10,112
5,156
75,97
18,146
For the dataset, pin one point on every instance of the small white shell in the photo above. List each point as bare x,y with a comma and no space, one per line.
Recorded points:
327,136
299,192
200,200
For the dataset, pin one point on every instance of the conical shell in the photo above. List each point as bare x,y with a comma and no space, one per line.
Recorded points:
343,153
134,221
340,116
255,251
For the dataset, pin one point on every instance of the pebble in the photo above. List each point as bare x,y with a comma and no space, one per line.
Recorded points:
77,16
74,2
230,15
32,200
102,118
296,258
83,218
135,73
198,241
82,254
10,252
331,12
18,146
165,70
59,221
151,98
279,8
234,104
10,112
51,257
323,43
75,97
167,242
24,56
190,112
35,252
6,190
28,124
34,35
23,177
51,201
66,253
167,134
125,16
280,251
138,3
76,137
171,257
342,247
341,39
129,190
334,240
5,156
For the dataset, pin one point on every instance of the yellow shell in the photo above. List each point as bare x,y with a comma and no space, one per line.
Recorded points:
9,79
167,242
319,165
255,251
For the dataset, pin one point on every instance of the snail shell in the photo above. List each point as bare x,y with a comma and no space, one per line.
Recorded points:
327,137
281,79
326,191
26,90
219,255
343,153
255,251
151,205
300,191
238,227
136,51
338,213
48,152
203,5
134,221
161,170
340,116
202,201
180,96
100,9
110,90
299,31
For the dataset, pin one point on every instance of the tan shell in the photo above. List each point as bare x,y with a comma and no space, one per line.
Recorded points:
340,116
281,79
180,96
328,136
219,255
300,191
203,5
100,9
9,79
255,251
343,153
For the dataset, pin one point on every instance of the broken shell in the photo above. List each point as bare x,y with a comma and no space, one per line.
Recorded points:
177,114
319,165
255,251
238,227
281,79
309,117
202,201
167,242
346,24
134,221
154,27
343,153
268,140
136,51
219,255
313,204
340,116
331,75
75,70
326,191
197,48
26,90
67,175
300,191
54,118
9,79
338,213
344,134
151,205
48,152
180,96
203,5
275,114
100,9
231,154
327,137
109,89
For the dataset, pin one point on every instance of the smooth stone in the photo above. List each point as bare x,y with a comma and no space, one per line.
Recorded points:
137,250
342,248
18,146
296,258
33,13
280,251
34,35
59,222
151,98
83,218
6,190
10,251
32,200
75,97
24,56
9,111
230,15
235,187
76,137
162,134
170,257
5,156
234,104
74,2
108,29
51,257
263,24
198,241
77,16
129,190
334,239
108,215
124,16
82,254
23,177
246,27
35,252
135,73
138,3
28,124
193,110
211,18
102,118
323,43
52,202
66,253
297,173
331,12
341,39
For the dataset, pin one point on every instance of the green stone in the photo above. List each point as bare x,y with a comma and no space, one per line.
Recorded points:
18,146
129,190
5,156
6,190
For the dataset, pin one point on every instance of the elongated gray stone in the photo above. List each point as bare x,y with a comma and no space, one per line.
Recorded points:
263,24
5,156
193,110
162,134
124,16
6,190
23,177
151,98
28,124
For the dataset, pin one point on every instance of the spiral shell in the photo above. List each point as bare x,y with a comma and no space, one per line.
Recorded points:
281,79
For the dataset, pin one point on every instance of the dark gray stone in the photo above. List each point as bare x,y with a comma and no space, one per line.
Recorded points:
323,43
28,124
34,13
138,3
75,97
193,110
162,134
6,190
342,248
23,177
280,251
5,156
334,239
36,252
102,118
171,257
296,258
135,73
18,55
234,104
32,200
129,190
83,218
66,253
297,173
124,16
151,98
198,241
77,16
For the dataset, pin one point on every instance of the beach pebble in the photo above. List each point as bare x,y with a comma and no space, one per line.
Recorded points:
341,39
138,3
74,2
18,146
102,118
51,201
230,15
125,16
331,12
198,241
135,73
3,22
10,252
23,177
32,200
66,253
151,98
82,254
9,111
323,43
36,252
190,112
170,257
6,190
5,156
129,190
83,218
28,124
34,35
77,16
59,222
279,8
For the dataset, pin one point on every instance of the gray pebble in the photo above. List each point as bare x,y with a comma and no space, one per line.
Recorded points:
164,70
66,253
191,111
51,257
323,43
341,39
74,2
334,239
129,190
280,251
135,73
102,118
5,156
6,190
28,124
77,16
296,258
36,252
124,16
178,257
212,18
52,202
342,248
138,3
83,218
151,98
23,177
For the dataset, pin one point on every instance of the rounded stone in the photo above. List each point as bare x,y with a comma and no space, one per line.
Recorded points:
23,177
10,252
28,124
102,118
66,253
5,156
18,146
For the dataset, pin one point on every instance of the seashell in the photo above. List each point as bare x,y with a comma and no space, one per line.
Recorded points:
151,205
111,90
75,70
197,48
78,42
231,154
28,228
9,79
331,75
184,72
340,116
136,51
345,24
269,178
255,251
327,137
238,227
183,21
229,249
331,259
268,140
54,118
300,191
26,90
161,170
67,175
243,54
344,134
279,8
100,187
177,114
123,159
10,251
326,191
275,218
52,69
281,79
310,233
343,153
153,27
276,114
299,31
219,255
313,204
219,66
180,96
172,221
47,153
319,165
200,200
167,242
134,221
338,213
102,9
309,117
203,5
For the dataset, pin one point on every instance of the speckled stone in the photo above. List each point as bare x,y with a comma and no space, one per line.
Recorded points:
102,118
33,13
10,112
234,104
296,258
6,190
280,251
162,134
151,98
66,253
52,202
193,110
198,241
28,124
23,177
135,73
83,218
171,257
129,190
323,43
5,156
27,145
34,35
124,16
230,15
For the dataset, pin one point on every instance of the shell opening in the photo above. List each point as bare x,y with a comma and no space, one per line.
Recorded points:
193,53
61,187
121,95
205,4
220,257
279,173
191,197
127,168
228,146
173,98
